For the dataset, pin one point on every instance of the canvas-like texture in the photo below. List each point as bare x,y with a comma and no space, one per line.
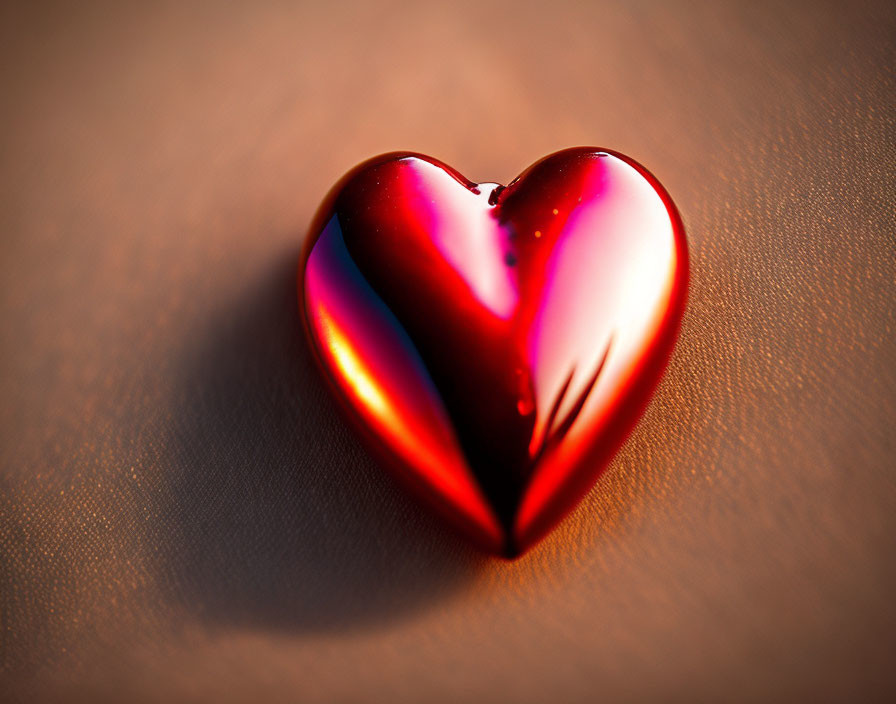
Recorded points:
185,517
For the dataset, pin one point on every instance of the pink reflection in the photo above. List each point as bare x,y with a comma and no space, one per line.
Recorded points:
620,220
468,238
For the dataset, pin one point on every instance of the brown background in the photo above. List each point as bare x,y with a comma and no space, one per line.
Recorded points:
183,514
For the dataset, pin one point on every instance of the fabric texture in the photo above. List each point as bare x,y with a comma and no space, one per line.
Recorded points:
184,516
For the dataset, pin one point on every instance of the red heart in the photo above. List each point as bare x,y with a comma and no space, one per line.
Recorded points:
494,344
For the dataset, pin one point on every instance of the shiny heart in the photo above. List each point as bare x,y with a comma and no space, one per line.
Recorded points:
496,344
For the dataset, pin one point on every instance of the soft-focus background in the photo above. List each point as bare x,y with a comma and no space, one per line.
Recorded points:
183,514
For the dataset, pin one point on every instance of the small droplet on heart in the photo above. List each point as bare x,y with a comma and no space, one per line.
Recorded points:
526,401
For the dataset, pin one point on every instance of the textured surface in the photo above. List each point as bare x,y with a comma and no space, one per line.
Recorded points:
182,513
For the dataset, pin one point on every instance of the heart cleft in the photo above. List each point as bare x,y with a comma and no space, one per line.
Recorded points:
495,345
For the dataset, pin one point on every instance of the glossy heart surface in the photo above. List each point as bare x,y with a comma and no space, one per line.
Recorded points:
495,344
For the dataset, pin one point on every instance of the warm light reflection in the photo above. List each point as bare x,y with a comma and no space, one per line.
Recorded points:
356,374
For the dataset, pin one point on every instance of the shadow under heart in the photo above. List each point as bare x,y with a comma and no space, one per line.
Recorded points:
277,517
